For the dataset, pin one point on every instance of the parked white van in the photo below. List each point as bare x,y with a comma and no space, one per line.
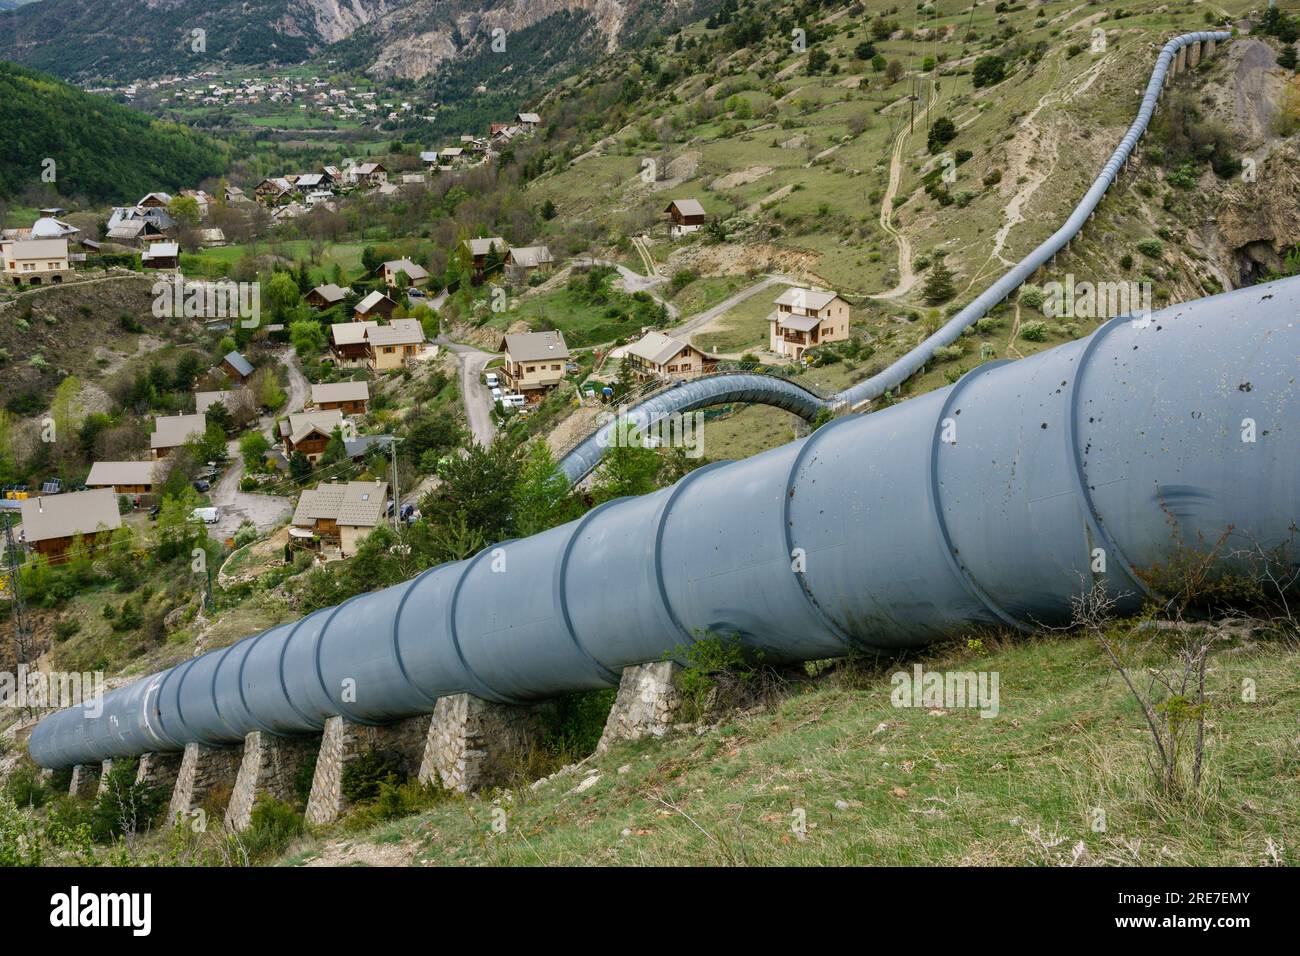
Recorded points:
513,401
490,378
206,515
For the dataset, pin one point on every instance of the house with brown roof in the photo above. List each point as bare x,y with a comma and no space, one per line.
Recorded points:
393,345
534,361
161,255
123,477
341,514
805,318
375,305
274,190
348,343
523,261
172,431
324,296
309,432
52,522
480,250
370,174
656,355
350,398
687,216
236,367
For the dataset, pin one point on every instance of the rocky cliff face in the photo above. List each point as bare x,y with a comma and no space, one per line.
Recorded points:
133,39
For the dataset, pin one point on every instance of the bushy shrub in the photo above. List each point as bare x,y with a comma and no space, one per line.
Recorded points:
275,824
1034,331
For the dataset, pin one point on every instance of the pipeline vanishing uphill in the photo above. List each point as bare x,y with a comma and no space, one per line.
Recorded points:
715,391
991,501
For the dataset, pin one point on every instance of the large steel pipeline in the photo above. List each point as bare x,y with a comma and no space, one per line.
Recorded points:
993,501
579,462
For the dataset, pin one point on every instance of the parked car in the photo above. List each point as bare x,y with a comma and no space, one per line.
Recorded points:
206,515
497,394
154,511
513,401
201,485
491,379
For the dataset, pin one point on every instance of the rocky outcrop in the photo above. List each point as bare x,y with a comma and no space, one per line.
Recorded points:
1260,219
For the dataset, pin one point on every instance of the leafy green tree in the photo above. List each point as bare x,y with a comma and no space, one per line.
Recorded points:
282,294
185,210
480,487
942,131
628,468
989,70
254,446
307,337
541,497
335,449
178,534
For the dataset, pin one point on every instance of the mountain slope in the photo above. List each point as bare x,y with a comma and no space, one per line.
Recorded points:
80,39
101,150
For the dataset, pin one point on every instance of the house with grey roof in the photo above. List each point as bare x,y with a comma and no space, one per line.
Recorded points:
172,431
656,355
341,514
51,523
534,361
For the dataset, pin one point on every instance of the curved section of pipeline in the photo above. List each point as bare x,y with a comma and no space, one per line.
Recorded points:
754,387
584,458
987,502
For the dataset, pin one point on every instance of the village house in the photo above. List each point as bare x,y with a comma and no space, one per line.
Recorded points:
161,255
529,121
52,522
687,216
416,275
154,201
656,355
36,261
348,343
172,431
480,250
205,400
351,398
309,432
274,190
805,318
123,477
234,194
324,296
523,261
392,345
373,306
340,514
236,367
534,361
370,174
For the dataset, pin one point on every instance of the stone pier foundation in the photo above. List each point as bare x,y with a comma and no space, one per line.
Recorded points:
206,777
105,769
159,770
1207,48
647,705
343,742
474,743
270,766
1180,61
85,780
1193,54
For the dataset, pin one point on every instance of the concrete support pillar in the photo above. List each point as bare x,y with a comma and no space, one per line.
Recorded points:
1207,49
270,766
343,742
85,780
1180,62
473,743
1193,54
647,705
104,769
205,781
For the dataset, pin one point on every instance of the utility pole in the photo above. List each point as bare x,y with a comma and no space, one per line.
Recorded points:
18,609
397,498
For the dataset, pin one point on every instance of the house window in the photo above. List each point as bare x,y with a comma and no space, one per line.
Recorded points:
388,350
555,368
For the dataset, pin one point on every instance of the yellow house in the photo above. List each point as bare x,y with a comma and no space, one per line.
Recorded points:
534,361
36,261
804,318
391,346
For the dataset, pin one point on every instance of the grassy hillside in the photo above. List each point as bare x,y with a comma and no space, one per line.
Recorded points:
878,784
